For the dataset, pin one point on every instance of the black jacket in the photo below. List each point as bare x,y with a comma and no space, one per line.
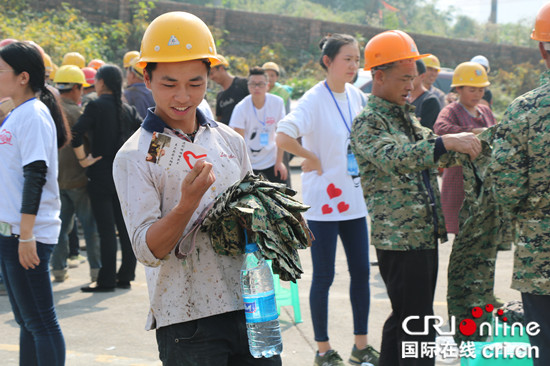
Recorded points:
106,133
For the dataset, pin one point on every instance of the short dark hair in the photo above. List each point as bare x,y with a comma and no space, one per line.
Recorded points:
256,70
331,44
151,66
420,67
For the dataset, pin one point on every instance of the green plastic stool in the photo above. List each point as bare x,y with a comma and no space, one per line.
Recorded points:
285,296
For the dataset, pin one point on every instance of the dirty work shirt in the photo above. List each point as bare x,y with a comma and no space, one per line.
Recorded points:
205,283
335,195
520,171
259,127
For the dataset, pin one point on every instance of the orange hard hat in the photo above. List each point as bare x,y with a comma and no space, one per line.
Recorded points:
388,47
96,63
541,32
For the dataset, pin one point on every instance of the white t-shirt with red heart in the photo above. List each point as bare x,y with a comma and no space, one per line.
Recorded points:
335,195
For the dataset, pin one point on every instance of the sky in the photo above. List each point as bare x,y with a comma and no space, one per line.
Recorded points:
508,11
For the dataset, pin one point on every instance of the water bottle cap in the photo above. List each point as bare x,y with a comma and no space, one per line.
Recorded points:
251,248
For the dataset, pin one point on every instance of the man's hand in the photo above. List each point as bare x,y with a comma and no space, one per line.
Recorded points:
196,183
464,142
280,170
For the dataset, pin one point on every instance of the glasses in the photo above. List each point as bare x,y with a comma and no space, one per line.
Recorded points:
257,85
5,70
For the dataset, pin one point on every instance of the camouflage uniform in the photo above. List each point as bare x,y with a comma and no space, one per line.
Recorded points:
484,227
520,171
396,158
392,150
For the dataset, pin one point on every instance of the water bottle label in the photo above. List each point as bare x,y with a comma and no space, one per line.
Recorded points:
260,308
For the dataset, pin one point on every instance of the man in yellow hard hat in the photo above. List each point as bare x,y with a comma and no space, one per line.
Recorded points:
234,90
136,93
397,158
432,71
201,291
72,179
274,87
520,171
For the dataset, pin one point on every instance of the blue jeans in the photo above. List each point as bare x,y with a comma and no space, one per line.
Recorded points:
536,308
41,341
355,239
218,340
76,201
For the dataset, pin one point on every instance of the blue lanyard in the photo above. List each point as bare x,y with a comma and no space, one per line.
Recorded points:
256,113
339,110
9,114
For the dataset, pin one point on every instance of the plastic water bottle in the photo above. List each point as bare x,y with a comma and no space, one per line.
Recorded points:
262,323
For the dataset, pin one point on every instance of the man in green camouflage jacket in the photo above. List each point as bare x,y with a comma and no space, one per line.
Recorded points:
397,160
520,170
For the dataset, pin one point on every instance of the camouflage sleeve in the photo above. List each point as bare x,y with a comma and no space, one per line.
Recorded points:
509,160
394,153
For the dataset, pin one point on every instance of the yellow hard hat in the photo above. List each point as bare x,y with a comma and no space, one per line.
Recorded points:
541,32
74,58
128,56
271,66
69,74
223,61
53,72
432,61
47,63
134,67
470,74
177,36
388,47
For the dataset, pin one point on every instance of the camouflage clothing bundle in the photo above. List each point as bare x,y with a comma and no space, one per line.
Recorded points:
272,218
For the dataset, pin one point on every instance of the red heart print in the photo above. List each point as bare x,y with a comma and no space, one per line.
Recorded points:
326,209
342,206
333,191
186,156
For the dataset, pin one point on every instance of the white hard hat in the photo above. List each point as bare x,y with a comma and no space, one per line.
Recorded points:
482,60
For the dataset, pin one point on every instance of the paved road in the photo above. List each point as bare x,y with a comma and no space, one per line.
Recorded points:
109,328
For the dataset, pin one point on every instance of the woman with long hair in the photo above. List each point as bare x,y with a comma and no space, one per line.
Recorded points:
331,186
29,220
108,122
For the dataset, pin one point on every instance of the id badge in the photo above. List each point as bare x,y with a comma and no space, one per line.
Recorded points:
353,168
5,229
264,138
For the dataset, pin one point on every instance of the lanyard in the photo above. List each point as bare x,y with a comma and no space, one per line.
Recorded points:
9,114
339,110
256,113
